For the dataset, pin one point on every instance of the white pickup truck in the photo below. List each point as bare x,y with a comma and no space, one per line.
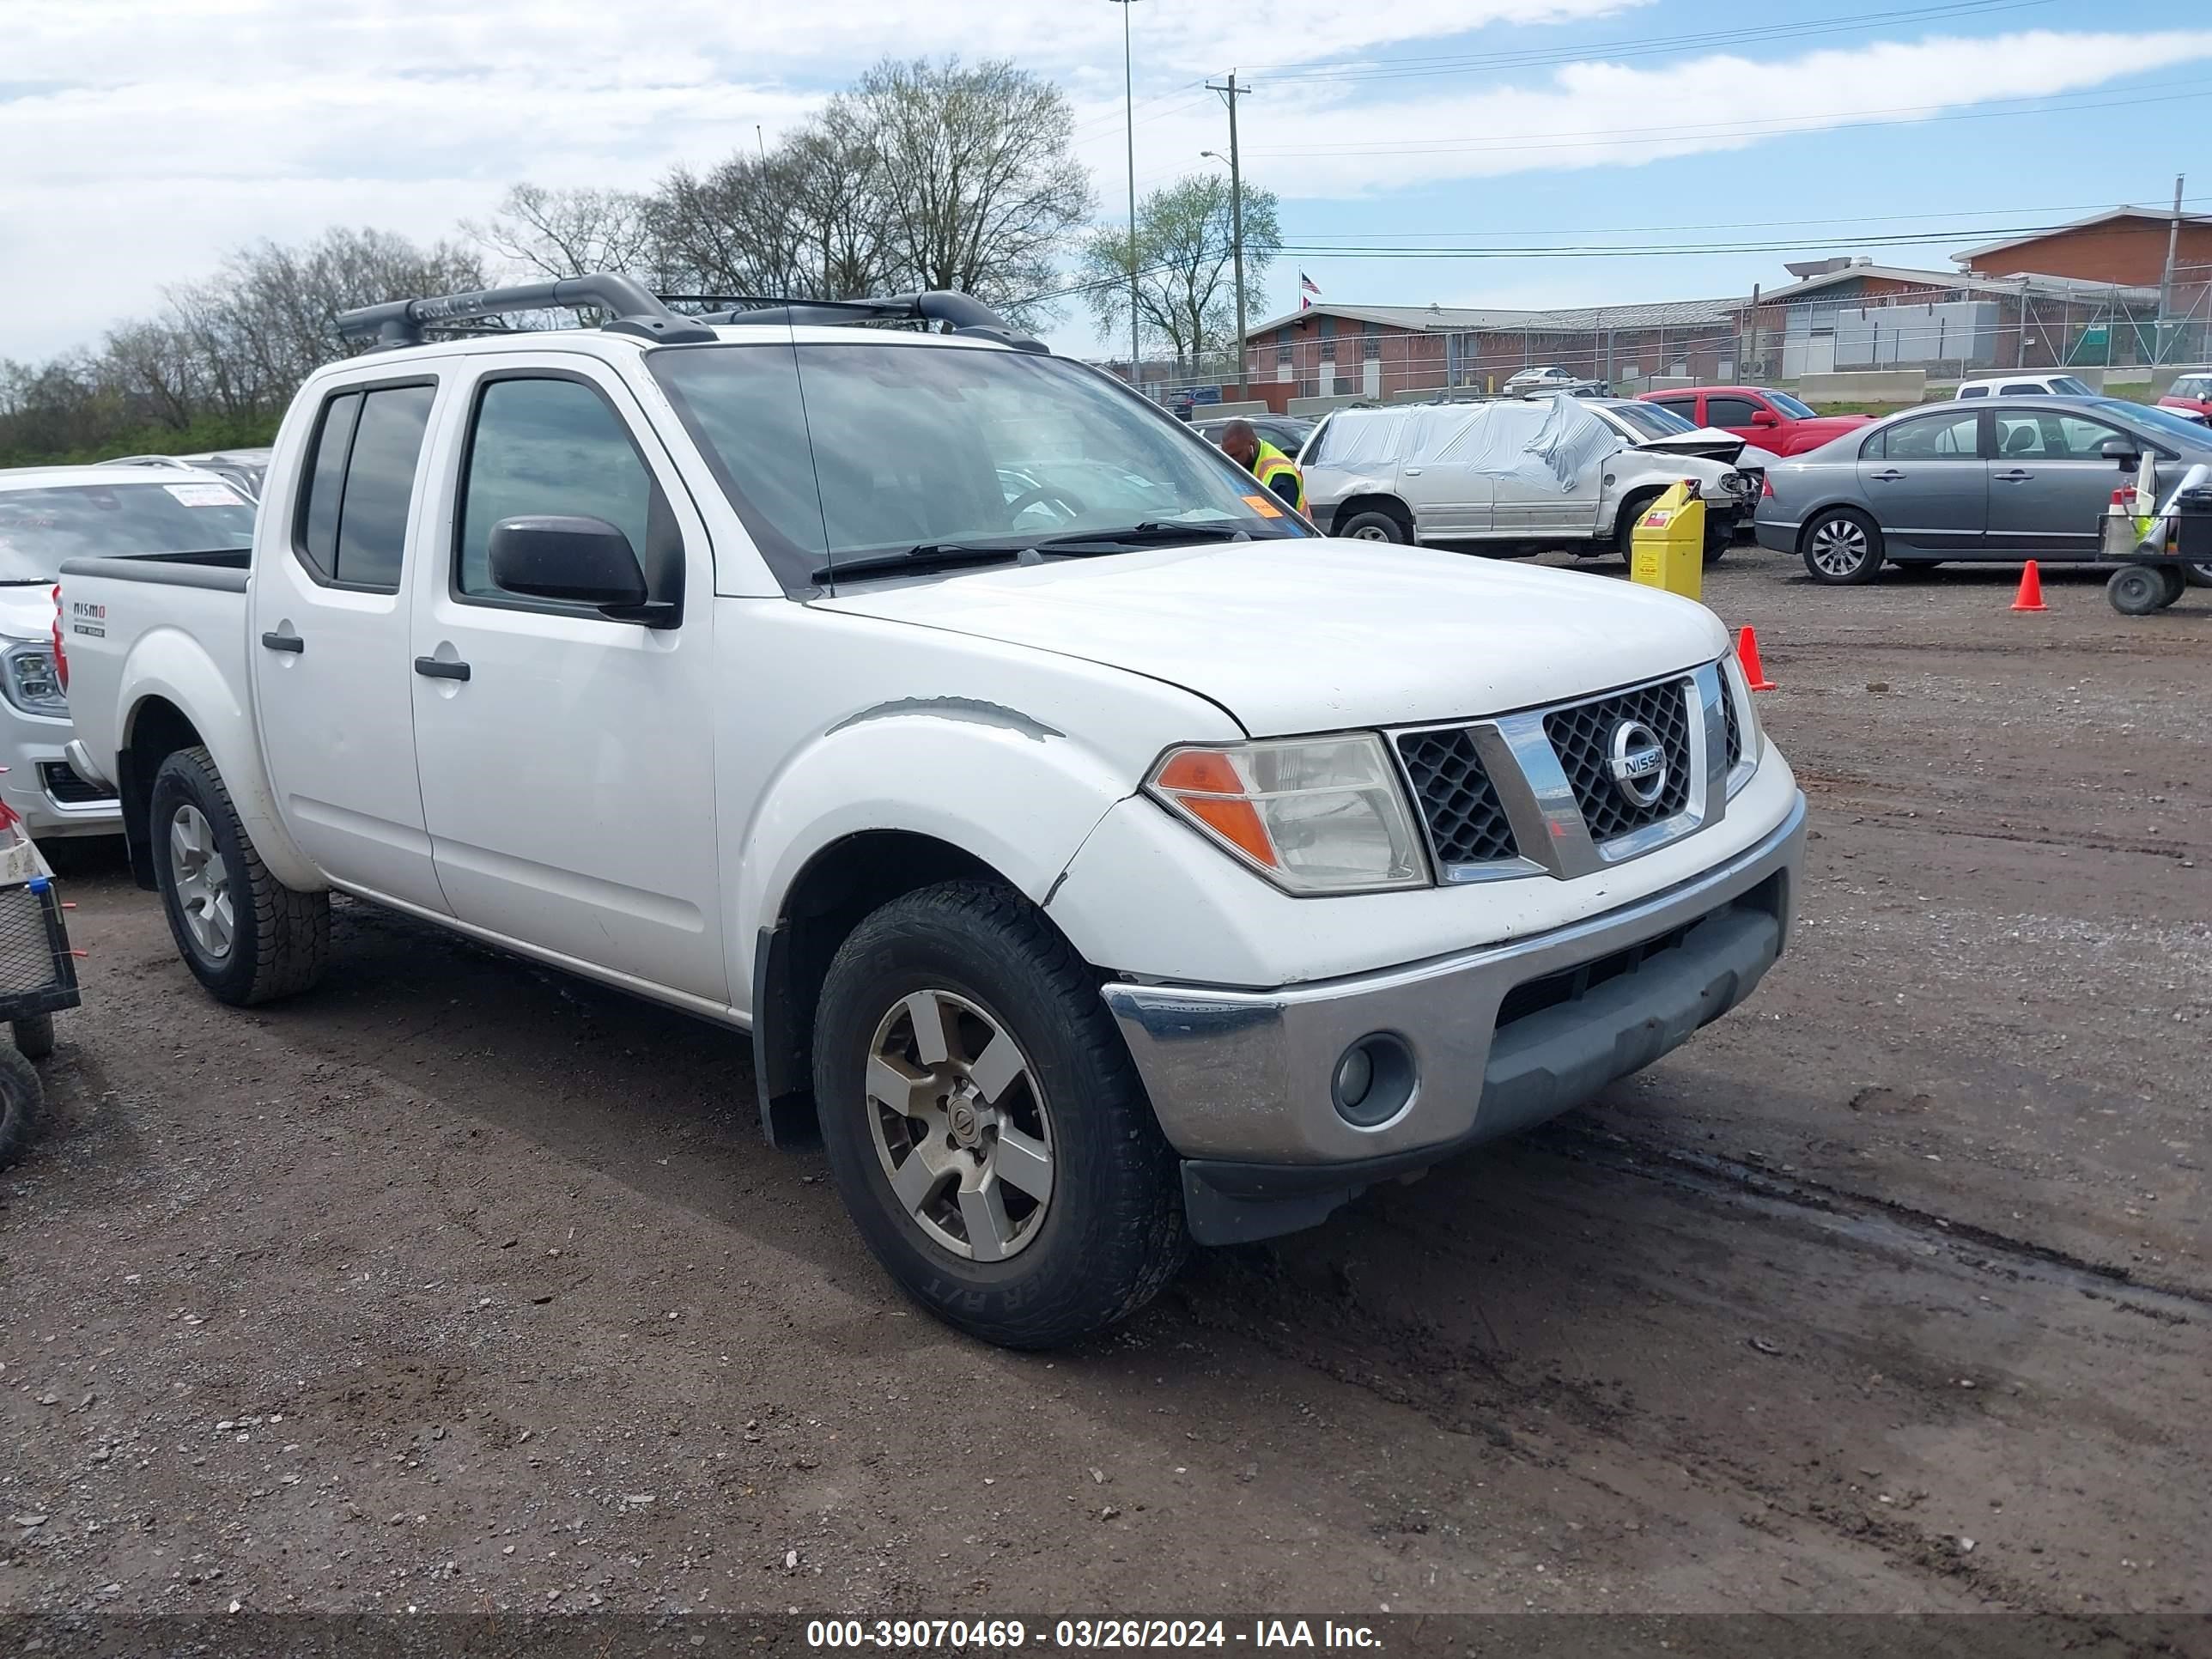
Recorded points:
1099,857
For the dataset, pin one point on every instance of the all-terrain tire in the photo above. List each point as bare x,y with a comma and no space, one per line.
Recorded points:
20,1100
1112,1232
280,937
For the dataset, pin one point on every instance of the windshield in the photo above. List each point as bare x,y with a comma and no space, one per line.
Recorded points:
2166,421
2192,386
1790,406
858,452
2067,386
40,528
1651,421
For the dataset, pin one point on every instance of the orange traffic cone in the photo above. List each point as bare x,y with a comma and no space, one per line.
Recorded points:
2031,589
1747,652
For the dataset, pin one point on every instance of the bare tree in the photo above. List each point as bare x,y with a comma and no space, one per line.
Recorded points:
572,233
1186,293
979,183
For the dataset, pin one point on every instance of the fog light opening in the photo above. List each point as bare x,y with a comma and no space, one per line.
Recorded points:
1373,1080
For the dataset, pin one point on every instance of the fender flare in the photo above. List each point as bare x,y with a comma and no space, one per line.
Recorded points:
166,663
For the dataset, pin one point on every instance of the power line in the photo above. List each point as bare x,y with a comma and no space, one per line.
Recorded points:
1741,224
1627,250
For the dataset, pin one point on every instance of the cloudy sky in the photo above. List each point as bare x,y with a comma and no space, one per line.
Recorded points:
140,138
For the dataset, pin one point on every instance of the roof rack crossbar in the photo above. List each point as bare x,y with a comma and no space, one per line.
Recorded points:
631,310
965,312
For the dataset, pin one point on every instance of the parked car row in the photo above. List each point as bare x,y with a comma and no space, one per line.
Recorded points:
2005,477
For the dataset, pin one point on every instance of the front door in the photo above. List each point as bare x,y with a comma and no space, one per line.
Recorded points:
332,692
565,758
1925,482
2049,486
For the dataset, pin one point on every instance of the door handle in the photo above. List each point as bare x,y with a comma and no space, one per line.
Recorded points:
431,668
1411,472
1888,475
2015,475
291,642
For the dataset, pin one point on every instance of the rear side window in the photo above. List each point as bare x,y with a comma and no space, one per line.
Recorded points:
2023,389
1685,407
1932,438
1973,391
351,527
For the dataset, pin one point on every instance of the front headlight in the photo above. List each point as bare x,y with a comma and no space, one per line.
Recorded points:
1314,815
1735,484
1737,690
28,679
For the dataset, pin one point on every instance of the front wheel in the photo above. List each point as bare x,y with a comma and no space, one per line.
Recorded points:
1842,548
983,1122
1375,525
245,935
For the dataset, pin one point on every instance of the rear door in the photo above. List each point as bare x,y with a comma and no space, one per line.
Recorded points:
1926,484
1449,499
2049,486
567,759
1686,406
332,689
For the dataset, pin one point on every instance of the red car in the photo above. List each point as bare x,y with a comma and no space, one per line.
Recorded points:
2190,393
1774,421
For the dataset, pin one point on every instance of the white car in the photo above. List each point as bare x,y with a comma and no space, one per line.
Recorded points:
2027,384
1564,473
1098,858
50,515
1551,377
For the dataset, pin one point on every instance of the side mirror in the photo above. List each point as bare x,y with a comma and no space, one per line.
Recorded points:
1764,418
576,561
2121,451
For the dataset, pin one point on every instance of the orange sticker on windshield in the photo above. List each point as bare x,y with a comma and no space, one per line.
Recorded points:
1263,507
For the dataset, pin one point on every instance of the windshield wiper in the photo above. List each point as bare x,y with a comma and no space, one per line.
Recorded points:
1152,530
926,556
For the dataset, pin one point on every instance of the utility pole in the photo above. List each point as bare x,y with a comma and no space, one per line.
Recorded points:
1129,118
2165,281
1231,92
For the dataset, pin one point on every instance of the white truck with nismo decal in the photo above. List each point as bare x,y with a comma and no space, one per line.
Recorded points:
1099,858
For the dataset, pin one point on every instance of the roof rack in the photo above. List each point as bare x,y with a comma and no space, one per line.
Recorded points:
630,308
967,313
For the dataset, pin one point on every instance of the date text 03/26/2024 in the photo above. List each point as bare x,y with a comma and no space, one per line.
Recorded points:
986,1635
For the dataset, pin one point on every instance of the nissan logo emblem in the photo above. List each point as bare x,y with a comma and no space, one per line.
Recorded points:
1637,764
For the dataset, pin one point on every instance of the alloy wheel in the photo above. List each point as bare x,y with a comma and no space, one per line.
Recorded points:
201,881
1839,547
960,1124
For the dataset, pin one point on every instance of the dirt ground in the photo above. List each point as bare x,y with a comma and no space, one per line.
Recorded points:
459,1285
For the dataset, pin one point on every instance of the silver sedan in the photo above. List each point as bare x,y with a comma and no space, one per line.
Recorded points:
2003,480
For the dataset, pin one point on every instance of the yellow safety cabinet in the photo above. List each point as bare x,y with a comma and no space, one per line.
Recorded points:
1666,547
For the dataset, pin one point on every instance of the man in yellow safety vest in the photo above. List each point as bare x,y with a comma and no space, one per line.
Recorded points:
1275,471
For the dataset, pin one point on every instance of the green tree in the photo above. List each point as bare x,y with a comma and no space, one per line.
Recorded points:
1186,289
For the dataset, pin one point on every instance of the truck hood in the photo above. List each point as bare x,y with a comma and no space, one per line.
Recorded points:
27,612
1318,635
1804,436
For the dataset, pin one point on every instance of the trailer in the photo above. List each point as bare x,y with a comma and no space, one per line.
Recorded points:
38,980
2155,552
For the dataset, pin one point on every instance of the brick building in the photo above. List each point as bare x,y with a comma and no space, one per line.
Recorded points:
2125,246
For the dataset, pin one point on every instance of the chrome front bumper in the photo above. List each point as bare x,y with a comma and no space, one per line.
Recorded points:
1500,1038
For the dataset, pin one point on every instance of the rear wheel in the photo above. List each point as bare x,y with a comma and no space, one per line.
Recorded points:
2136,590
984,1124
245,935
34,1035
1374,525
20,1100
2198,576
1842,548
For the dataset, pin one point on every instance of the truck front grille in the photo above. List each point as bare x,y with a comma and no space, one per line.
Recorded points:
1466,822
1581,736
1734,731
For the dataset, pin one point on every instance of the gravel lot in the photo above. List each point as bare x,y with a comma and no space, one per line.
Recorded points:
461,1285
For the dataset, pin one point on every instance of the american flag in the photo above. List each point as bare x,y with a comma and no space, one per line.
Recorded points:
1307,285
